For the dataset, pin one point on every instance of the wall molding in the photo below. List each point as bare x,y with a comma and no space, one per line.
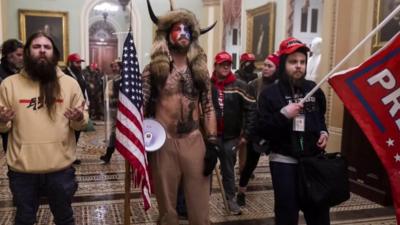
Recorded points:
332,57
335,130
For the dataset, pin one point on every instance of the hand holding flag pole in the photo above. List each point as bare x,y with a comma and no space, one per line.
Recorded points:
373,32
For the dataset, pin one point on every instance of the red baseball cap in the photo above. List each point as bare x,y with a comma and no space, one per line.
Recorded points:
247,57
93,65
74,57
223,57
290,45
274,58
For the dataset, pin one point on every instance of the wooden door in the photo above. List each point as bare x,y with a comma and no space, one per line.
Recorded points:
103,54
368,177
103,45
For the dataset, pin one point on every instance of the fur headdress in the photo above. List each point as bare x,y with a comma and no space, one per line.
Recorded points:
160,64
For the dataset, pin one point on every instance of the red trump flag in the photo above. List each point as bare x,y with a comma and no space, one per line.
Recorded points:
371,93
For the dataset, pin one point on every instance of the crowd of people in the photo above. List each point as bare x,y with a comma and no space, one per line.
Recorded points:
207,116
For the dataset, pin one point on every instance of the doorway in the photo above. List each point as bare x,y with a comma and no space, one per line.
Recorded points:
103,45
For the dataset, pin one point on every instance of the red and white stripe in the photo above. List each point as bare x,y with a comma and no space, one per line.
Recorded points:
129,142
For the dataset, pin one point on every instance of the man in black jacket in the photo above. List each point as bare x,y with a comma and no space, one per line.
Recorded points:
257,145
246,73
247,67
11,58
74,69
232,104
294,130
12,51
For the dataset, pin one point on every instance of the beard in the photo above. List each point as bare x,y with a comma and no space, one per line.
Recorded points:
44,71
178,48
75,70
297,83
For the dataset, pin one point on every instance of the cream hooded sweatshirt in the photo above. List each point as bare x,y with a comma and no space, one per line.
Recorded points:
37,143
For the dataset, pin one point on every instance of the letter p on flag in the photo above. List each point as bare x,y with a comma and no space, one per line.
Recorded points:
371,93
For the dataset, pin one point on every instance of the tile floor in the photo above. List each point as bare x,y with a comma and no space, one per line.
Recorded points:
100,197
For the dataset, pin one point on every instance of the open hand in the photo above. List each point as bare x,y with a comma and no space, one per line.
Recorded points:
75,114
6,114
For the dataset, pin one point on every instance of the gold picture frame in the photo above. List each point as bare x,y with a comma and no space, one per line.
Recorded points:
261,31
54,23
382,9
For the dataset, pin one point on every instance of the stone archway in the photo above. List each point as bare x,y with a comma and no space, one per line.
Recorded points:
86,22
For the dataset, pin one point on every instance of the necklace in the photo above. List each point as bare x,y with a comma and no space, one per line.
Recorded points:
180,70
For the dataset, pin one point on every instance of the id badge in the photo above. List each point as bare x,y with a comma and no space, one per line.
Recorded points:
299,123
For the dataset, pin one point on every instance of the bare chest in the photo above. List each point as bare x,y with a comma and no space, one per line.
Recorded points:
180,84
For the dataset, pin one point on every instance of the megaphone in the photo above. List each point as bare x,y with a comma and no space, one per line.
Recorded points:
153,134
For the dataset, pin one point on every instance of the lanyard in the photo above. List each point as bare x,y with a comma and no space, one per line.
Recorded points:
301,143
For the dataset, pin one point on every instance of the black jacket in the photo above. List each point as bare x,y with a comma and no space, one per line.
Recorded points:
246,77
239,109
5,70
278,129
81,81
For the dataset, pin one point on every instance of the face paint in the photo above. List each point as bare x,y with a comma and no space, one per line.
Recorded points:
178,31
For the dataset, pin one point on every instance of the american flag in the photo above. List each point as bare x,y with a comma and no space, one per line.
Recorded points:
129,126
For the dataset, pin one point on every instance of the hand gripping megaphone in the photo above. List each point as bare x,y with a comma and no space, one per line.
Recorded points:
153,134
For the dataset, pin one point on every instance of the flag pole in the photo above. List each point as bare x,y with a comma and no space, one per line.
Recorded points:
127,199
128,177
373,32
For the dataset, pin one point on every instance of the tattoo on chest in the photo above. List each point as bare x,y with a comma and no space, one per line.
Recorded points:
187,86
181,83
185,125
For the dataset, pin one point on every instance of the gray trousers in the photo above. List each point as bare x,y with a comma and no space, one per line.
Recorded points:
228,161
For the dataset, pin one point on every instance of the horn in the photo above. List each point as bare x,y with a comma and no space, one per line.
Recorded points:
152,15
205,30
172,5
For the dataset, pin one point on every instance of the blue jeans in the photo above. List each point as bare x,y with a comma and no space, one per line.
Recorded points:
59,188
287,206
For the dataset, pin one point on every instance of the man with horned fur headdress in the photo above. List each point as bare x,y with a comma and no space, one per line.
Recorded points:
176,87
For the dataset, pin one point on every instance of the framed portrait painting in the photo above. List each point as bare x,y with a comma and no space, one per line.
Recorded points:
261,31
381,10
53,23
